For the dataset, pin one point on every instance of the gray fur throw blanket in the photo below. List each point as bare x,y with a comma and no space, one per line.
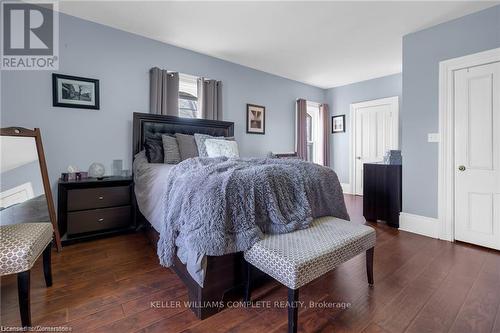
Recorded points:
216,206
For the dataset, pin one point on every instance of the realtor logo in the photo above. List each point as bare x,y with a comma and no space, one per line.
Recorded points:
30,36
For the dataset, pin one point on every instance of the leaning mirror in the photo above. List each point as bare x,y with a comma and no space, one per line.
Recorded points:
25,194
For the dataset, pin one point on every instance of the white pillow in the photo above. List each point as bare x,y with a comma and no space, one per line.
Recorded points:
217,147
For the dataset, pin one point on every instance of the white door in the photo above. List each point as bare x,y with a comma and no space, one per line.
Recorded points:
375,132
477,155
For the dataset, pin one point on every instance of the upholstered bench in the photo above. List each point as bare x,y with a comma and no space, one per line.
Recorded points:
297,258
21,245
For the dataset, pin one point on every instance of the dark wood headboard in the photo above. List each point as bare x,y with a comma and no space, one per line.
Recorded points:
148,125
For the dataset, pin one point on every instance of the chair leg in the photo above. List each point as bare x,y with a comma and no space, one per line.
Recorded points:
23,290
248,283
293,310
369,265
47,265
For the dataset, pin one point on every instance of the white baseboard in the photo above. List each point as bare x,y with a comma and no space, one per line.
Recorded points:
346,188
422,225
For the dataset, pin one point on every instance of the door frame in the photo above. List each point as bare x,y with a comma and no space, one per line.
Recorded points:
446,164
354,107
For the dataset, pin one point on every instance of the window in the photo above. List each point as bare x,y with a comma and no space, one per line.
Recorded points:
188,96
313,133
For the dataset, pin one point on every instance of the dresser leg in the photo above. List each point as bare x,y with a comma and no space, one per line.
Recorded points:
23,291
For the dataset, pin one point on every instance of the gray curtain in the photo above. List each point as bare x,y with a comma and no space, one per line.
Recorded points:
301,131
164,92
324,116
210,97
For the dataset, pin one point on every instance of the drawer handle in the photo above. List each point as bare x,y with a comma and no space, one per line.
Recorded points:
100,220
101,197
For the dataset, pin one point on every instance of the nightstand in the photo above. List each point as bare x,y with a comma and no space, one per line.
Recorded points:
92,208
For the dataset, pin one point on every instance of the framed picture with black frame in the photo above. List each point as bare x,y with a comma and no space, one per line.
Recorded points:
256,119
75,92
338,124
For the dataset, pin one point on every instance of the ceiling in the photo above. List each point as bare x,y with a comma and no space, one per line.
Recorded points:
325,44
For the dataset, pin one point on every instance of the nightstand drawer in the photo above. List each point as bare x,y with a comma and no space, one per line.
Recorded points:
98,219
99,197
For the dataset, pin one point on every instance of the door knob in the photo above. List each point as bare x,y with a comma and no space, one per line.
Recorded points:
461,168
358,157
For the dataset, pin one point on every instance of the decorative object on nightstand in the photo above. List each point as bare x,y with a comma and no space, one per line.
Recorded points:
96,170
382,192
117,167
393,157
94,208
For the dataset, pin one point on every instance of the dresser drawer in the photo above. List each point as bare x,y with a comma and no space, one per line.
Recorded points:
99,197
98,219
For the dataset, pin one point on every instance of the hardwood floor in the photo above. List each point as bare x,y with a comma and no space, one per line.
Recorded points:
421,285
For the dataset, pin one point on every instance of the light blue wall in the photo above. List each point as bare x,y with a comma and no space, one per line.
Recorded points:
340,99
121,62
422,52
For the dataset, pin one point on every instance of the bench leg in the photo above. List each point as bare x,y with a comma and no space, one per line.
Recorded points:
293,310
248,283
23,291
47,266
369,265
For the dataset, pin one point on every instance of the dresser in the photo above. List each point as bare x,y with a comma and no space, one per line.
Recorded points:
92,208
382,192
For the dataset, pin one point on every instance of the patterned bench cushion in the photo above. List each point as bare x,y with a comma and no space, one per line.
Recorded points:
297,258
22,244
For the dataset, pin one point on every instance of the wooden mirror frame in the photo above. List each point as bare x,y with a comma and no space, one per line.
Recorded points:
35,133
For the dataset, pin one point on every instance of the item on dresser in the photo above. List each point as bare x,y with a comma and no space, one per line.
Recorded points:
97,170
117,167
393,157
94,208
25,191
382,192
79,175
217,148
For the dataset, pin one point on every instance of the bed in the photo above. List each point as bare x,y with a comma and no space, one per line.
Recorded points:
223,276
205,211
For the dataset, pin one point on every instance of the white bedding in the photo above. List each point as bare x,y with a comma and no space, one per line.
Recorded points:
149,188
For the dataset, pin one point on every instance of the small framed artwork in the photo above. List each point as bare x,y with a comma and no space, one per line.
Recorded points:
256,119
338,124
75,92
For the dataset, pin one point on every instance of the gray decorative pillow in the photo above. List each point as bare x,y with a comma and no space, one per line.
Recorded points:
171,154
200,143
187,146
217,148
